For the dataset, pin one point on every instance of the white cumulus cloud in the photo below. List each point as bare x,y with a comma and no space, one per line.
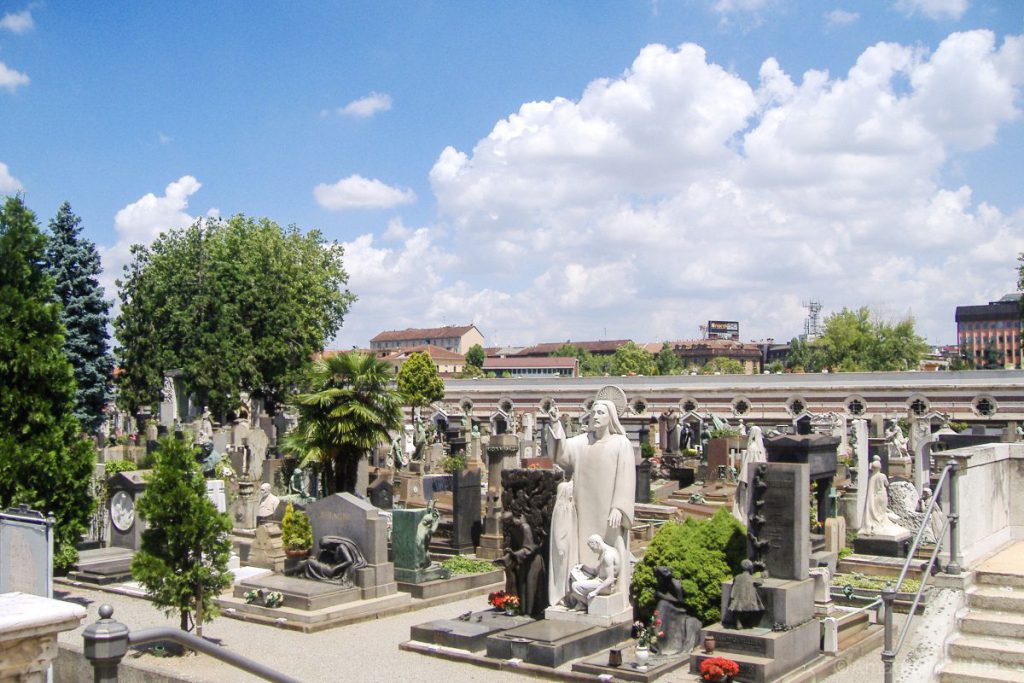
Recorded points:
8,183
357,192
17,22
933,9
678,192
11,79
365,107
144,220
840,17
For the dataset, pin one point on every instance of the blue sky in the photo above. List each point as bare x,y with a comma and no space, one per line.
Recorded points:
548,170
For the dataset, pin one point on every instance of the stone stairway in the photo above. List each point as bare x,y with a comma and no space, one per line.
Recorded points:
989,643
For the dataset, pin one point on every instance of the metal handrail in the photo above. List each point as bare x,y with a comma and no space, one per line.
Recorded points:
889,592
194,642
107,641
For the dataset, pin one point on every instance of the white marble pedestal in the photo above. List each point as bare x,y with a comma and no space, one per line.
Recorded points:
29,626
605,610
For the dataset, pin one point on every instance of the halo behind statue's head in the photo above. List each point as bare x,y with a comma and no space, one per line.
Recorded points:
615,395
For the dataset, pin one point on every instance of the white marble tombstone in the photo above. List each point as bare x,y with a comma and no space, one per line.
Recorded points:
860,436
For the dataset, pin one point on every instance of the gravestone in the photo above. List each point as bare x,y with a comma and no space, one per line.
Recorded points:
221,440
266,425
26,552
343,514
466,525
169,401
818,451
717,456
258,445
126,489
784,505
381,493
501,454
217,495
643,482
267,550
412,558
859,433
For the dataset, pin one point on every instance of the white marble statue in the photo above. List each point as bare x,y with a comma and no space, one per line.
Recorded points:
755,453
602,467
896,442
586,583
565,551
268,501
878,521
205,433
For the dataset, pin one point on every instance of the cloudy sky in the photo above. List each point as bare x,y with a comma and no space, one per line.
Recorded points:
548,171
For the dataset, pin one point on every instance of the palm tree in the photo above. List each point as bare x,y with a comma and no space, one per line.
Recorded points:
349,409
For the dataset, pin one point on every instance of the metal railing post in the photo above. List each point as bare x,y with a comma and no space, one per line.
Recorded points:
955,565
888,654
106,642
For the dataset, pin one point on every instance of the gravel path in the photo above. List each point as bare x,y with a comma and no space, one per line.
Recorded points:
366,651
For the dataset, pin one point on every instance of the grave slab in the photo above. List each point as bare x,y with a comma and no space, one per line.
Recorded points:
299,593
467,634
888,546
553,643
762,654
657,666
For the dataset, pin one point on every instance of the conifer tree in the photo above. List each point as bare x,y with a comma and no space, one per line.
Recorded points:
44,461
75,267
183,559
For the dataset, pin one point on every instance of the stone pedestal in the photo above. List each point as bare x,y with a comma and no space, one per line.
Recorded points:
762,654
604,611
835,534
901,467
501,453
29,625
267,550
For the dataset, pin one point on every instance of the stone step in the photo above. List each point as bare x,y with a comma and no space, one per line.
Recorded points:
998,651
999,579
964,672
996,598
991,623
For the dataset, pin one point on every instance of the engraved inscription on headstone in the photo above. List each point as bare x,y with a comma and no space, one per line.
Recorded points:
786,528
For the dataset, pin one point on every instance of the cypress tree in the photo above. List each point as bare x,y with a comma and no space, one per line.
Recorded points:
75,267
183,560
44,461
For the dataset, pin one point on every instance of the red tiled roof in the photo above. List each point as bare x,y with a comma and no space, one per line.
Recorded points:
436,353
548,348
412,334
530,362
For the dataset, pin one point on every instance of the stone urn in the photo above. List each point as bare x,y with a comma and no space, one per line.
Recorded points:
642,654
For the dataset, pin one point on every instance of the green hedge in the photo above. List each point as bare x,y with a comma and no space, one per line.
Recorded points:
701,554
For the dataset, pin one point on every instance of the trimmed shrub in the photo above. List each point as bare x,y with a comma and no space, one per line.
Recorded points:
701,554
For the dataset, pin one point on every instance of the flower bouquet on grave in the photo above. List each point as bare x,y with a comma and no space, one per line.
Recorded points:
503,600
647,635
718,669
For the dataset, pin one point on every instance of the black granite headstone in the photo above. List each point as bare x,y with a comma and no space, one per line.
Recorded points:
466,524
783,520
643,482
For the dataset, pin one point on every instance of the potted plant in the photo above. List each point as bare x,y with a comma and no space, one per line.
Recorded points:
718,669
646,637
296,532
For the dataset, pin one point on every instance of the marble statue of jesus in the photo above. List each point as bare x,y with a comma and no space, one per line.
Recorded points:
602,466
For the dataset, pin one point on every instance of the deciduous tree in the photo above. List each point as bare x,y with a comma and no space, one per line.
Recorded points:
667,361
237,305
44,461
630,359
475,356
75,267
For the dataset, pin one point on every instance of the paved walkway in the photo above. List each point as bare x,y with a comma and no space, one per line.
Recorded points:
366,651
1009,560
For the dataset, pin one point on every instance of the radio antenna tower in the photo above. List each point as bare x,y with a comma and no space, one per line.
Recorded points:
812,324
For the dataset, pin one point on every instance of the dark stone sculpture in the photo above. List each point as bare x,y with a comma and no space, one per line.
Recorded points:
338,558
524,565
745,606
682,631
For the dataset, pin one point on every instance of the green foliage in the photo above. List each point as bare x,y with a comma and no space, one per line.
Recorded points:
113,467
630,359
464,565
471,371
803,357
724,366
775,366
853,341
453,463
243,290
475,356
667,361
701,554
348,408
723,433
646,450
875,582
418,381
183,559
44,461
958,426
296,529
590,365
75,266
845,552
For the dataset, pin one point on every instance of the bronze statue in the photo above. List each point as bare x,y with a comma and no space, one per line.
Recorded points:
337,559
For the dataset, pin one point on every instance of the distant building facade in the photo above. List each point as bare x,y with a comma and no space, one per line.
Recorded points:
448,363
990,335
701,351
595,348
454,338
533,366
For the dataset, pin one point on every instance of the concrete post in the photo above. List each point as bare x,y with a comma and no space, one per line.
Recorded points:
956,559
